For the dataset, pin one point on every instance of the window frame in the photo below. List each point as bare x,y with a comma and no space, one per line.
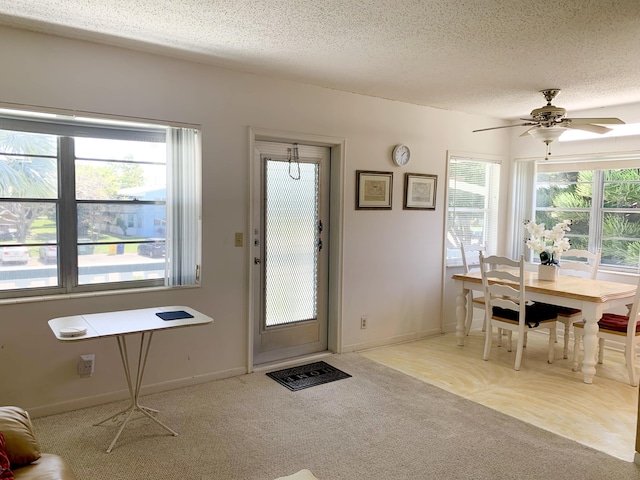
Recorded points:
66,129
490,235
597,210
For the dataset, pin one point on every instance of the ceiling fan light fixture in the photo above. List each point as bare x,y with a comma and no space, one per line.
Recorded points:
547,134
549,122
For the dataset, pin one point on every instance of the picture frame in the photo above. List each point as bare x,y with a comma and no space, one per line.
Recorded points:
374,190
420,191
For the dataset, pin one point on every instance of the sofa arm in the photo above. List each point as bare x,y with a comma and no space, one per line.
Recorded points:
22,447
48,467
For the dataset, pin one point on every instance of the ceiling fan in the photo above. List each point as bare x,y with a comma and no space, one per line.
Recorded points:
549,122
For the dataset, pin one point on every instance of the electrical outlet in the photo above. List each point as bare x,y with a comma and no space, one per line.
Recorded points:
239,239
363,322
86,365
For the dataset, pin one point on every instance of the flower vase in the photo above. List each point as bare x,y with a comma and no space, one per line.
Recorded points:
547,273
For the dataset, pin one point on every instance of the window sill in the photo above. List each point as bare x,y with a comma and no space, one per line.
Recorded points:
70,296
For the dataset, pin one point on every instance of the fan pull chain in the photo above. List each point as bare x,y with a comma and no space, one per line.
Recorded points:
548,151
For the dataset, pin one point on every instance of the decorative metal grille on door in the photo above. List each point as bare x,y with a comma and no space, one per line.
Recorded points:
292,241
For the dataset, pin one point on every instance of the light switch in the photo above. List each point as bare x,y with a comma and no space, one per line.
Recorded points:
239,239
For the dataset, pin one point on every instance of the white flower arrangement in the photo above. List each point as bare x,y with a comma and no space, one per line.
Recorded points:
549,244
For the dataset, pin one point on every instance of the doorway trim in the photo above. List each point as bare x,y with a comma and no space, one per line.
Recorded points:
336,222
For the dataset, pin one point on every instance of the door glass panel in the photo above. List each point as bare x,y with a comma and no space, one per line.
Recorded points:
291,242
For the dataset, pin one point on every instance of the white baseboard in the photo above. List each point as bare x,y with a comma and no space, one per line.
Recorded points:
290,362
390,341
84,402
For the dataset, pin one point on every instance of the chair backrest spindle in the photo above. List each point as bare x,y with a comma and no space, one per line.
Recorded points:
583,263
471,256
633,314
512,297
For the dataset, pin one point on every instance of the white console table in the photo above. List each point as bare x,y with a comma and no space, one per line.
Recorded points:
119,324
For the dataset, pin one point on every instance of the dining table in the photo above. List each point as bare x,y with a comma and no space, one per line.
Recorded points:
593,297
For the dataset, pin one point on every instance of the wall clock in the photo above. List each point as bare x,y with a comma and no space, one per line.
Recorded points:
401,155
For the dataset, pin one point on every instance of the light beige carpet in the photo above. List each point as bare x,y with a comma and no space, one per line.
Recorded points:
379,424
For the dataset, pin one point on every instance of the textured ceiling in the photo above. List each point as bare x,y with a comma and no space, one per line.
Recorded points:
489,57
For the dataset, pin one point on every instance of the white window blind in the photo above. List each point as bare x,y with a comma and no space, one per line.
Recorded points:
473,194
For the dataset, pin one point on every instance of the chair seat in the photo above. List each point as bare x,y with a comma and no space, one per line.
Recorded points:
563,311
479,300
535,314
612,322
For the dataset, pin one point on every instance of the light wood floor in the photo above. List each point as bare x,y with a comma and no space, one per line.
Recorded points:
601,415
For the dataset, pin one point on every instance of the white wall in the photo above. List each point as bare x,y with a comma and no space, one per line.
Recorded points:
392,259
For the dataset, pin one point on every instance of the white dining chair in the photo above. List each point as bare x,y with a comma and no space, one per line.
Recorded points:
470,254
506,306
576,263
617,328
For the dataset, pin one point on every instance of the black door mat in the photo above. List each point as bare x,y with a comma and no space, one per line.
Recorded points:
305,376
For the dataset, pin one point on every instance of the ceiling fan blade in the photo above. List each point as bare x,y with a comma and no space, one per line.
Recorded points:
504,126
589,128
582,121
526,132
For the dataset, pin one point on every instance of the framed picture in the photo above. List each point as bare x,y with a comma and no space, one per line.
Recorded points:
419,191
373,190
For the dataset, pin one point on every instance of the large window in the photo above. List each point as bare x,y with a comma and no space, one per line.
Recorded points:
96,205
472,206
602,205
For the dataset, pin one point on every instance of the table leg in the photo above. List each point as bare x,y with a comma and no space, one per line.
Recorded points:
461,314
590,342
134,390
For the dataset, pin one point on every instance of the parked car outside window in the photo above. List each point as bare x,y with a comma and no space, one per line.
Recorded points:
14,255
48,253
153,250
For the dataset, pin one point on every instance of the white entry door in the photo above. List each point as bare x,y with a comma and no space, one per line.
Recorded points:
290,247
